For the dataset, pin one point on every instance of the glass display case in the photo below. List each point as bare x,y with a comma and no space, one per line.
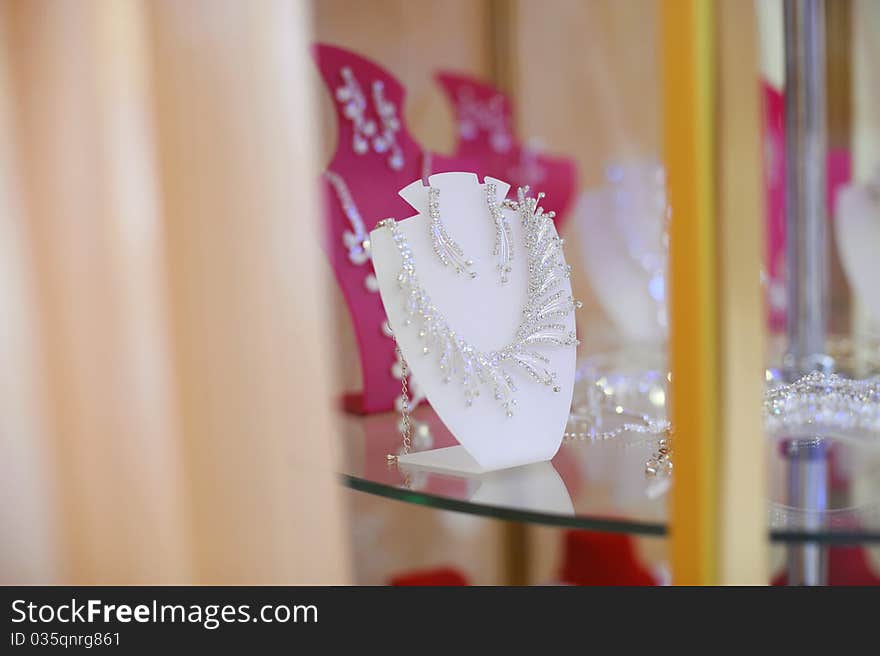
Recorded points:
605,105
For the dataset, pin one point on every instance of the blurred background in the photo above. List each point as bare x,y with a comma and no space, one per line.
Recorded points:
173,344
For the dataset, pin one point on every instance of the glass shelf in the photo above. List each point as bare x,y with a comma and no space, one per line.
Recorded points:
602,485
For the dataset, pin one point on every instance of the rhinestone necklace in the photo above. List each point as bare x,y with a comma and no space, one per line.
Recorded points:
585,422
545,304
815,403
824,401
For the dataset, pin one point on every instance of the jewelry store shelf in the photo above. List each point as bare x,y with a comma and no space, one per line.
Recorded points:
602,486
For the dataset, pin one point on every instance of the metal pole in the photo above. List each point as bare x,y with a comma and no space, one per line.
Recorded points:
805,161
808,492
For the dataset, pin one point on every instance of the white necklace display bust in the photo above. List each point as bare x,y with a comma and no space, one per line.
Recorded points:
486,314
857,229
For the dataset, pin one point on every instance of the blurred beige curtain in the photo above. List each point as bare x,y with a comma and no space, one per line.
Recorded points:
164,404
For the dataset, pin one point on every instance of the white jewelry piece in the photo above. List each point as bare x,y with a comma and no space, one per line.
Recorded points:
486,115
356,240
608,394
473,368
633,423
445,247
503,250
386,140
354,108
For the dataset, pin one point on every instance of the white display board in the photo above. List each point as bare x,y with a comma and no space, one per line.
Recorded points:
857,232
621,285
486,314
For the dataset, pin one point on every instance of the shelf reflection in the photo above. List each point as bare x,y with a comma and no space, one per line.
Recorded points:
825,485
587,484
602,485
531,488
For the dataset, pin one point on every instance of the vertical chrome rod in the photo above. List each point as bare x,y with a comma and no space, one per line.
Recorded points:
805,161
807,563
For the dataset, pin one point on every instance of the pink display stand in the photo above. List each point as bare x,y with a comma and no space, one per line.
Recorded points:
839,174
373,177
484,121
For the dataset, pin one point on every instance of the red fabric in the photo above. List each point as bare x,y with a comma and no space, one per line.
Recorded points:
438,576
838,476
846,566
602,559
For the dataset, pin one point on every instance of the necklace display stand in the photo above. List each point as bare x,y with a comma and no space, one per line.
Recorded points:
484,312
857,232
620,227
484,122
372,183
543,486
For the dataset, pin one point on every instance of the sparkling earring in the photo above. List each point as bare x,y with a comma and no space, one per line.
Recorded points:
354,108
445,247
386,141
499,131
503,252
488,115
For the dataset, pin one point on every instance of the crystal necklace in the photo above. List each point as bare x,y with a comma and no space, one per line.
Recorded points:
824,402
583,425
815,404
545,305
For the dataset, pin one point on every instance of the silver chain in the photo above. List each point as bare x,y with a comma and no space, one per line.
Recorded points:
644,426
660,463
406,424
404,405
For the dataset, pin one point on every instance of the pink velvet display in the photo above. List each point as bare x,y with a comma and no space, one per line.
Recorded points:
484,122
373,185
